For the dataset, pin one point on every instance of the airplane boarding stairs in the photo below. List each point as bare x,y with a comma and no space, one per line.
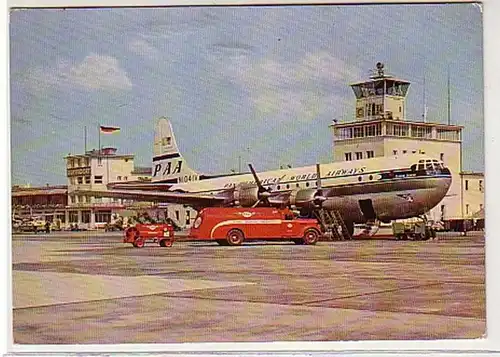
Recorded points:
332,224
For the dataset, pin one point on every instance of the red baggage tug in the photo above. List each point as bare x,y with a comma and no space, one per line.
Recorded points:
138,235
232,226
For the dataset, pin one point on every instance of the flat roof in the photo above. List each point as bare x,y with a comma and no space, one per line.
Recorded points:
471,173
40,192
118,156
376,79
375,121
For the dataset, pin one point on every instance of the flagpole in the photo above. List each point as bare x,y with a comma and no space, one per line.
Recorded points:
99,129
85,140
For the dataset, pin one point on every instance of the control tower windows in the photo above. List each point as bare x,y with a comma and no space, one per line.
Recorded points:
445,134
421,132
397,129
358,132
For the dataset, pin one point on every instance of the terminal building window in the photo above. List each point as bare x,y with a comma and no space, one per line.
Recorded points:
397,129
359,131
85,216
446,134
103,216
369,154
466,185
480,185
421,132
97,179
80,180
87,179
73,217
359,155
348,156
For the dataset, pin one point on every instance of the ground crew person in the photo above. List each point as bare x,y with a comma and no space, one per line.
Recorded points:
47,227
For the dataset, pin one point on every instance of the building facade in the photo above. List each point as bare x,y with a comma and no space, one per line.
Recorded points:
47,202
95,170
380,128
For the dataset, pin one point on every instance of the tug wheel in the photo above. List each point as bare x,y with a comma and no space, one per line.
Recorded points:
235,237
311,237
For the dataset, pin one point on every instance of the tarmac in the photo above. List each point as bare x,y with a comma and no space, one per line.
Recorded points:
90,288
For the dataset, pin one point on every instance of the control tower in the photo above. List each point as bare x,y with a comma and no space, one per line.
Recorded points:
381,128
383,96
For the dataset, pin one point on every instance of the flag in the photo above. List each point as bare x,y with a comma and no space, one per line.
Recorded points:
109,129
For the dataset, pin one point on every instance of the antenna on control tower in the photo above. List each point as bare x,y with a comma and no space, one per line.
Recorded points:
380,69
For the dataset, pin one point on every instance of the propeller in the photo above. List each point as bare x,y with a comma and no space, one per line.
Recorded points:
263,193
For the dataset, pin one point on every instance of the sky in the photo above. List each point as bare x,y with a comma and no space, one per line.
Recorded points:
259,83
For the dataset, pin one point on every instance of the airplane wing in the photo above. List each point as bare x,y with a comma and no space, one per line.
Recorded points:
146,186
158,196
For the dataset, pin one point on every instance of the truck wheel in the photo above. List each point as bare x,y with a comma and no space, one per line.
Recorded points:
139,243
166,243
235,237
311,237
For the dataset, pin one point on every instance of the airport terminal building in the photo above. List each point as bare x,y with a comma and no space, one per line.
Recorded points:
380,128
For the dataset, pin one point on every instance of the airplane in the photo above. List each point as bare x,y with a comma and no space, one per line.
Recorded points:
380,188
168,165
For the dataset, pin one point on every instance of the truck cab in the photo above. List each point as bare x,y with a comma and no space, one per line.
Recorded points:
232,226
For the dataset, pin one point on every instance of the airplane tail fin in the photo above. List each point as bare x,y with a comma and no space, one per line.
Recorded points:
168,164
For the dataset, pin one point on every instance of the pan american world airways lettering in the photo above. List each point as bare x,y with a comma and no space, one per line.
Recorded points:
302,177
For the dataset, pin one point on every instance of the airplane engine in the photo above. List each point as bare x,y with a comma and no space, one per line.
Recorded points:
308,198
246,195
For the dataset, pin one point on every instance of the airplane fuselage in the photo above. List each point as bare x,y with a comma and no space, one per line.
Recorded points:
384,188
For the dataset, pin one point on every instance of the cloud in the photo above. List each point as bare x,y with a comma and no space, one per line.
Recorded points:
143,48
94,72
97,71
311,87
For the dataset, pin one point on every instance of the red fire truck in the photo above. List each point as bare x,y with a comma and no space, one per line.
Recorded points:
138,235
232,226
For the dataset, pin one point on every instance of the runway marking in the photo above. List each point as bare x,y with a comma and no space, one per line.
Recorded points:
32,289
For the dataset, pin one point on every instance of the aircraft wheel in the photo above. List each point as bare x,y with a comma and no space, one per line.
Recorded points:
350,228
311,237
235,237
